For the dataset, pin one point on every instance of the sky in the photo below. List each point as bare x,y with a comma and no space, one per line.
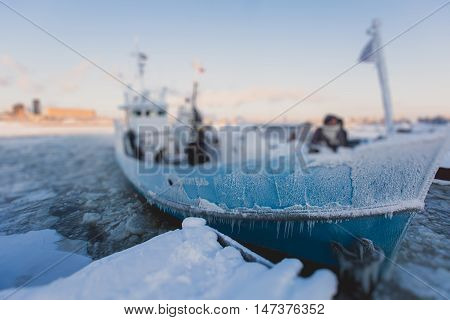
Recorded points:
259,56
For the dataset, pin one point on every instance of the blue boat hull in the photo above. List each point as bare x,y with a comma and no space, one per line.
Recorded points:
311,239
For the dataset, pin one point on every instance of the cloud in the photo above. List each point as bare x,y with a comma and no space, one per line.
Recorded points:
242,97
8,61
236,98
72,79
6,81
17,73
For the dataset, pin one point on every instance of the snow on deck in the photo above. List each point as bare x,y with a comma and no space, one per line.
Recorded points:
185,264
373,131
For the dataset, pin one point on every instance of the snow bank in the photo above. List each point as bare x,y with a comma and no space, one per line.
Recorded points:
24,256
185,264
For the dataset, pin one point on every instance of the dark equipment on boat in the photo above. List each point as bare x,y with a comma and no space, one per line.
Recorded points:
331,133
131,145
443,174
196,151
358,268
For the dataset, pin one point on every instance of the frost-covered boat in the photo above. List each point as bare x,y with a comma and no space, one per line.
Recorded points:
372,193
304,208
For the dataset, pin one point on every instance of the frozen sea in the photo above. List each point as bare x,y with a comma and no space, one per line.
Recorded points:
72,184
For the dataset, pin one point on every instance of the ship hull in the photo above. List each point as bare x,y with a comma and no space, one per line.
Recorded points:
311,239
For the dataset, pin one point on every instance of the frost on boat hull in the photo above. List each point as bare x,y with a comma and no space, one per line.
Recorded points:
369,193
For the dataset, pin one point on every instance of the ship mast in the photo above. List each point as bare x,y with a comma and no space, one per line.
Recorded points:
141,61
383,78
373,52
197,118
194,94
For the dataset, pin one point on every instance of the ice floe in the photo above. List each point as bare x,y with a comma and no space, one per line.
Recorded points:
24,258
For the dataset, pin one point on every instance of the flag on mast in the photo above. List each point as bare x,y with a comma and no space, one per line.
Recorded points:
142,56
142,59
198,68
368,54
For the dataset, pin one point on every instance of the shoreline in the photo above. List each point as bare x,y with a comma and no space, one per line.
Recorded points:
10,129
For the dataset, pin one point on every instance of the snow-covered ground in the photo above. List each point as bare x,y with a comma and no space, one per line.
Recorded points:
184,264
18,129
24,256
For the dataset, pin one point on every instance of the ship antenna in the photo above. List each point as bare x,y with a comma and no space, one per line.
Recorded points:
141,59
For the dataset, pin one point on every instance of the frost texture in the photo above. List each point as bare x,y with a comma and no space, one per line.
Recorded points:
383,176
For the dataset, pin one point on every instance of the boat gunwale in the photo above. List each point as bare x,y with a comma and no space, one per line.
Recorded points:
278,214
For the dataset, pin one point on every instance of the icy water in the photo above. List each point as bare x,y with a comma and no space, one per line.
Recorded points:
72,184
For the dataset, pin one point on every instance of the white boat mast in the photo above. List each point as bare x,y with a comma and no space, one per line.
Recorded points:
373,52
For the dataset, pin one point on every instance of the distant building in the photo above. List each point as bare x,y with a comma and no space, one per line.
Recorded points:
434,120
36,106
18,111
69,113
36,113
